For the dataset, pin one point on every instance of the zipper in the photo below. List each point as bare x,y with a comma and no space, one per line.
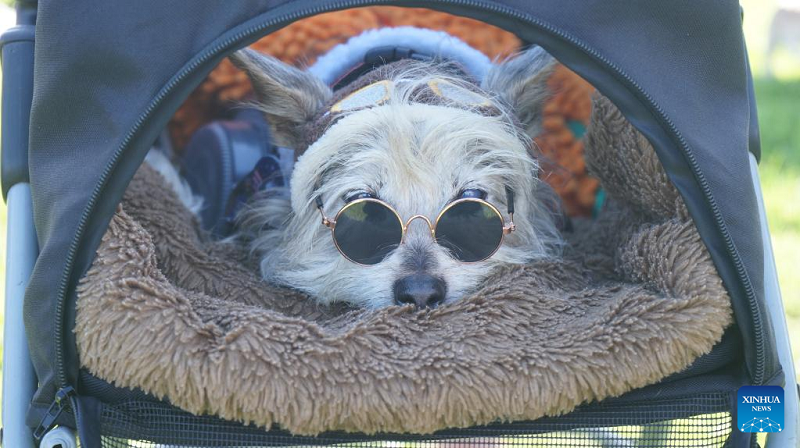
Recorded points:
64,397
61,377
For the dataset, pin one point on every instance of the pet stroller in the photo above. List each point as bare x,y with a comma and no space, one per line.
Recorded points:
87,89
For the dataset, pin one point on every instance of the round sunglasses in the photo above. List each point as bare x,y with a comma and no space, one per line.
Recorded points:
367,230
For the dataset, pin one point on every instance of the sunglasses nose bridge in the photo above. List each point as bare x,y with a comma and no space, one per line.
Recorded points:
424,218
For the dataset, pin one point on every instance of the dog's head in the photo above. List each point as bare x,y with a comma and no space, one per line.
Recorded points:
428,137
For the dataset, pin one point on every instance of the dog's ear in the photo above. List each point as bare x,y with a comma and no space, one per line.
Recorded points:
521,82
289,97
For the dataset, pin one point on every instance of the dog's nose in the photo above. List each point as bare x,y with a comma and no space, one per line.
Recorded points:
422,290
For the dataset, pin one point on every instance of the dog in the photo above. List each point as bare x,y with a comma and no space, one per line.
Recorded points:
415,161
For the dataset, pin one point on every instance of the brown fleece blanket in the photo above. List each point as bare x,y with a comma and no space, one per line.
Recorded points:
635,298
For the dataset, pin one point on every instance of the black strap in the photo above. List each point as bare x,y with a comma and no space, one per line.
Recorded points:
377,57
510,200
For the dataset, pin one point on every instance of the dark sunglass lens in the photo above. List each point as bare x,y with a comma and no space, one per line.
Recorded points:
367,231
472,230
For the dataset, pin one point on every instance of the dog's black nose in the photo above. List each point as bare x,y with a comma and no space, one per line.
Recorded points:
422,290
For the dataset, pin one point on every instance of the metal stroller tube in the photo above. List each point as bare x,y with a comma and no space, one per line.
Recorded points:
19,378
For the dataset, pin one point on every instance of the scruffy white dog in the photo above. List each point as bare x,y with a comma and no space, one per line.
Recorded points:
402,191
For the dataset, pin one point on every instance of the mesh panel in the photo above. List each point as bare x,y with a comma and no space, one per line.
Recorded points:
699,421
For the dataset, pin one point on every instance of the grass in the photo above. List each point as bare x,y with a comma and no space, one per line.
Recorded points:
780,180
779,116
2,284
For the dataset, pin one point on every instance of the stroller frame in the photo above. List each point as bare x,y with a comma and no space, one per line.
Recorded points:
19,378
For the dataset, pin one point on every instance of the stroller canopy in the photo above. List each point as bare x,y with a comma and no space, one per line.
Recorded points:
109,76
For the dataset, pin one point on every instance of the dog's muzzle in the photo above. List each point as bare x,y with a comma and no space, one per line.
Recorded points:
420,290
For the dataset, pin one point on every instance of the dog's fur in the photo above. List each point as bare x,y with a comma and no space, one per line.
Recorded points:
415,156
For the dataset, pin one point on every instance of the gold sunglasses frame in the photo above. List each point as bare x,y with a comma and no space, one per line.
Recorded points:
331,223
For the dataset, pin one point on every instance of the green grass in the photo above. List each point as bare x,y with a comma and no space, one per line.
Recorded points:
2,275
780,179
2,286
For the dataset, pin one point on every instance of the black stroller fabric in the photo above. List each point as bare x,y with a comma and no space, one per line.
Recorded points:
109,76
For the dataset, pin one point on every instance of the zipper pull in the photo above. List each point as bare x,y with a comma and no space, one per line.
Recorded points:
55,409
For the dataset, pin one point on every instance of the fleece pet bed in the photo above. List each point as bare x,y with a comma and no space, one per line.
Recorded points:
634,299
